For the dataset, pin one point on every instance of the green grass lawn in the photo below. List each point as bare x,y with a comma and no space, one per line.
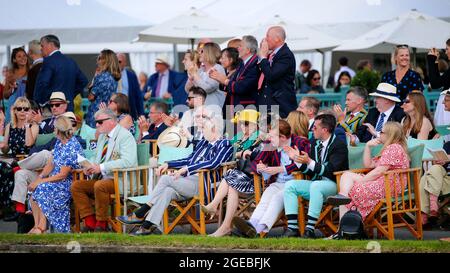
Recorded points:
229,243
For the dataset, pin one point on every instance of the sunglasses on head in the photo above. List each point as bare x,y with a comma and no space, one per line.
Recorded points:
100,121
402,46
20,109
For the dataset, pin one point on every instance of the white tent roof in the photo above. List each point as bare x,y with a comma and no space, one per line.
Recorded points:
194,24
73,21
413,28
299,37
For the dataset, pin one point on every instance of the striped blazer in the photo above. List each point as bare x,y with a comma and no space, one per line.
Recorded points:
351,125
273,158
206,156
335,159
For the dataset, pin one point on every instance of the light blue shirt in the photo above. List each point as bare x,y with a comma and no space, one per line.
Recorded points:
124,82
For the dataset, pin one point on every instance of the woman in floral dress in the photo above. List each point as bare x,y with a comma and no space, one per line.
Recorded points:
363,192
105,83
50,199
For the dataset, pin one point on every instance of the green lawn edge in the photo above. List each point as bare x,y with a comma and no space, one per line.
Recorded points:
229,243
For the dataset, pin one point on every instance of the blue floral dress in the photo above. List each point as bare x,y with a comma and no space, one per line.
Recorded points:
54,198
103,87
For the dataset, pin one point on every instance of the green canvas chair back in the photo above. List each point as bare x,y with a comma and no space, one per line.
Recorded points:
356,155
87,133
433,144
143,154
43,139
168,153
443,130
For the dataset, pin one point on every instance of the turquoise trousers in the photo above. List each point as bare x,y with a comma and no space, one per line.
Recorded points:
314,191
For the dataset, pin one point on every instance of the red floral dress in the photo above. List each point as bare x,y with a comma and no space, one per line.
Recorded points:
365,195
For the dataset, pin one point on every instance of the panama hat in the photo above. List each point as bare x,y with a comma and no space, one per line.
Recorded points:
387,91
162,60
249,115
58,96
173,137
446,92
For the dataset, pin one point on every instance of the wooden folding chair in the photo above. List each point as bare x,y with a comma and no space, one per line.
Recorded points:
189,210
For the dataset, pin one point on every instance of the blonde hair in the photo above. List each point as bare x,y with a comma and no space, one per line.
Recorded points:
211,53
299,123
395,53
63,127
395,135
111,63
20,102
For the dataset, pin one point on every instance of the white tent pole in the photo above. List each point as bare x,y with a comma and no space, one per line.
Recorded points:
322,73
414,56
176,65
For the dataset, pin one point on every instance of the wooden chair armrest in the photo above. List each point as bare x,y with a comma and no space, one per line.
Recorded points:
228,164
364,170
139,168
400,171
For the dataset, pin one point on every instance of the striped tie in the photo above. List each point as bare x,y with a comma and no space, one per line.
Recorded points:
104,151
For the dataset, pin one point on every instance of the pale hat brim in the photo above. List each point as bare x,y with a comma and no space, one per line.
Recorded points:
385,95
446,92
168,136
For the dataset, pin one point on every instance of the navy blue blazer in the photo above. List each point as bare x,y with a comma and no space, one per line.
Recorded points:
59,73
154,132
243,86
363,133
135,96
279,82
177,81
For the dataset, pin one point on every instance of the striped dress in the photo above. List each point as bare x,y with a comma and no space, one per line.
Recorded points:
235,178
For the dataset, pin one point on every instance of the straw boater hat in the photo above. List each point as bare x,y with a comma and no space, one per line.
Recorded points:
387,91
446,92
58,96
173,137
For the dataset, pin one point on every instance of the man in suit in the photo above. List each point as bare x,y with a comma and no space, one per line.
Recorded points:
276,167
116,150
58,73
152,130
328,154
242,88
129,86
183,184
277,66
35,53
386,109
300,75
166,83
354,113
58,106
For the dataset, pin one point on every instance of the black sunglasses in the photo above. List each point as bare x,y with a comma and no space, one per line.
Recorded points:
20,109
100,121
406,101
55,105
316,79
402,46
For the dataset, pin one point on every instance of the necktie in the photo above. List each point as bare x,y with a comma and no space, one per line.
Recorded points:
261,77
319,152
380,122
51,122
104,151
158,87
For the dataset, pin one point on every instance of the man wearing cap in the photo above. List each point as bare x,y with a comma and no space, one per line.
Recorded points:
129,86
26,170
58,106
58,73
386,109
166,83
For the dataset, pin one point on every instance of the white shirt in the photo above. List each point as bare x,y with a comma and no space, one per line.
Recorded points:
124,83
386,117
312,164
